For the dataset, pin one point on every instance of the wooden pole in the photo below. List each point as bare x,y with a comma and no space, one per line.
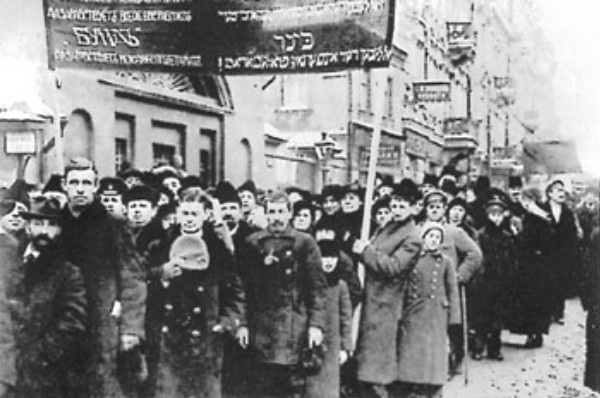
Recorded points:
380,80
59,146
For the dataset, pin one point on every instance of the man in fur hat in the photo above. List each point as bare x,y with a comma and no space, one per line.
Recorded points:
50,318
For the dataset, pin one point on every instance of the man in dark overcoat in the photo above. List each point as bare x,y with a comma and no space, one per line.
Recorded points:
104,250
236,361
590,299
563,265
203,301
49,308
286,302
388,259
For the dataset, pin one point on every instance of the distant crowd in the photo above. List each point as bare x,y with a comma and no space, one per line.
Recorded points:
149,284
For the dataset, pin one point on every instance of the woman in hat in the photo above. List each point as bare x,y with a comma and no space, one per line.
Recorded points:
431,304
304,216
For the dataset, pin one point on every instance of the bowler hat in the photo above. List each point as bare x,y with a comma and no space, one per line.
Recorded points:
249,186
43,208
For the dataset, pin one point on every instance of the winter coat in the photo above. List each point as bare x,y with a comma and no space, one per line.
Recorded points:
530,305
590,299
493,283
49,316
338,336
9,260
431,304
196,302
564,267
104,250
463,251
286,294
388,260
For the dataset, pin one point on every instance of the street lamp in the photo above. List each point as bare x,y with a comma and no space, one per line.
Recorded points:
326,149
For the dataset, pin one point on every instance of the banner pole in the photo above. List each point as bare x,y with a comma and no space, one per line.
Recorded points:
58,135
380,79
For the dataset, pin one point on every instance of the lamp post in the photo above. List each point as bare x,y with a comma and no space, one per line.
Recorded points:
325,149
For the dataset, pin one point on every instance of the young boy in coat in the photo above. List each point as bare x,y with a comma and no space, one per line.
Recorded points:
338,323
499,255
431,304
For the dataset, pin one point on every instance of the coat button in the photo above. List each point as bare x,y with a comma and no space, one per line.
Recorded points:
195,333
432,296
434,280
200,289
197,310
288,271
168,307
165,329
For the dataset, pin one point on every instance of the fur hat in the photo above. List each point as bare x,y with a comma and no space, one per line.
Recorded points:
249,186
334,191
431,179
43,208
226,193
141,192
515,182
458,202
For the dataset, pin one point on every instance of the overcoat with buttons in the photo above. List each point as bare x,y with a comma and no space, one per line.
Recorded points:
388,260
286,294
431,304
193,304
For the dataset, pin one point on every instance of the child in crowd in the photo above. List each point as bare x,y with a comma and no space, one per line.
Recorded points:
431,304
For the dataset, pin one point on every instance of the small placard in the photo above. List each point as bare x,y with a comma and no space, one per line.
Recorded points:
19,143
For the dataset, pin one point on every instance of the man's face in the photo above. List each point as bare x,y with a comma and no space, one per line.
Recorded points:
351,202
418,207
456,215
248,201
435,211
331,205
140,213
232,214
401,209
432,240
383,216
191,217
13,221
80,186
558,194
329,264
43,232
173,184
303,220
515,194
278,216
496,216
114,205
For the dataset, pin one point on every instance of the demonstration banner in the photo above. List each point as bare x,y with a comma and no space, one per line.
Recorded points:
220,36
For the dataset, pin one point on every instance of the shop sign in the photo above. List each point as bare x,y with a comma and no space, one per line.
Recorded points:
19,143
389,156
431,91
236,36
461,42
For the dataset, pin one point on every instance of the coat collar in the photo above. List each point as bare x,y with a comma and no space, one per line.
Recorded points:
288,233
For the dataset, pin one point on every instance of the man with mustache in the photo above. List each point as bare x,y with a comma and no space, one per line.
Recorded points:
236,361
49,308
104,250
286,293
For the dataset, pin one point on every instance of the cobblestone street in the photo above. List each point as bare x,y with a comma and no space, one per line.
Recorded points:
553,371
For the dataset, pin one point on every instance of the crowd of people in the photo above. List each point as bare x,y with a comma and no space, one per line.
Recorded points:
149,284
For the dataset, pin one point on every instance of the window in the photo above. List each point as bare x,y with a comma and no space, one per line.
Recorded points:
389,98
120,154
208,172
124,138
162,154
365,91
